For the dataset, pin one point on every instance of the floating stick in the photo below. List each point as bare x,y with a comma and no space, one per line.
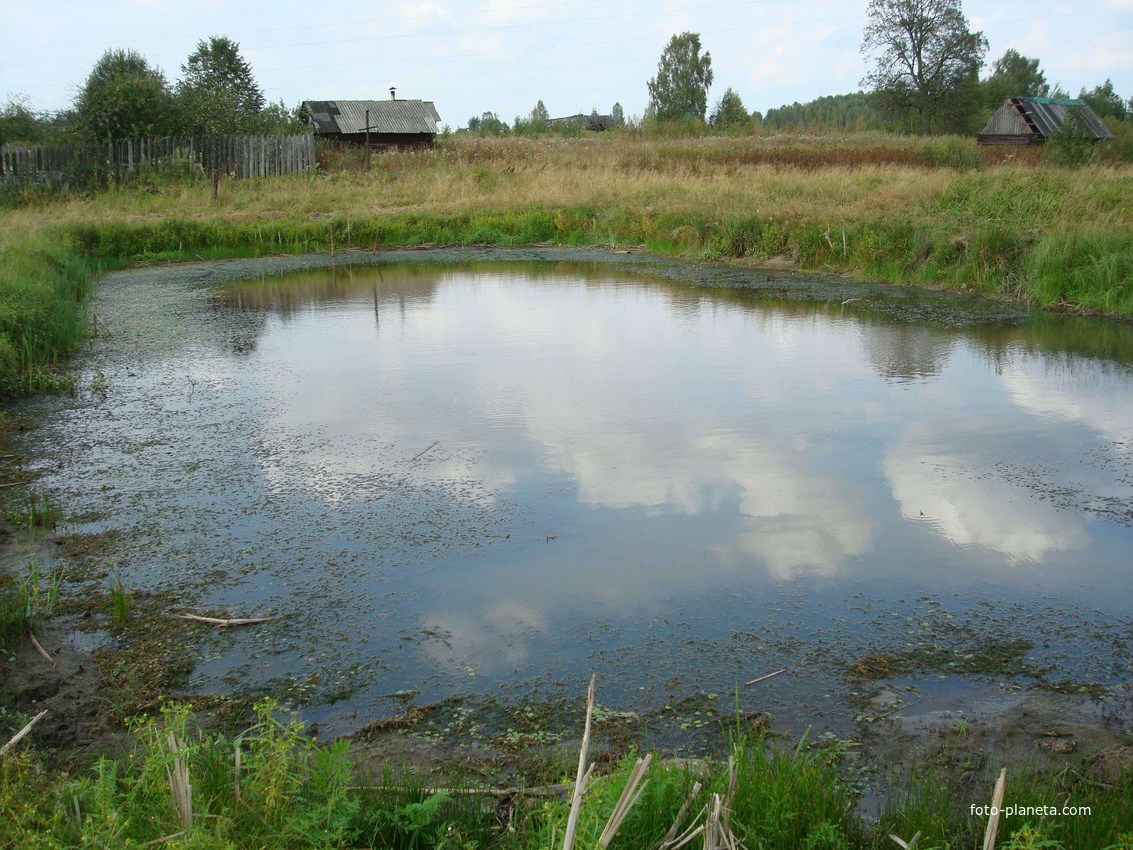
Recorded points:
216,621
765,678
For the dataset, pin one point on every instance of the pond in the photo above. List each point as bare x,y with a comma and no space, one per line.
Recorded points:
496,478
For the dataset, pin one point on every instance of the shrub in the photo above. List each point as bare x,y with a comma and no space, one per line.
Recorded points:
1073,145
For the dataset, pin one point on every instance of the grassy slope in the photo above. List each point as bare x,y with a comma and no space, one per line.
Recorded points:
880,207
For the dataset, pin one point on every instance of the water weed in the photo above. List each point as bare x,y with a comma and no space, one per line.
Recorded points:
26,603
36,511
121,604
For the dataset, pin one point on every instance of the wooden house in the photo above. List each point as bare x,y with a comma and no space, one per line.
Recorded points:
389,124
1031,121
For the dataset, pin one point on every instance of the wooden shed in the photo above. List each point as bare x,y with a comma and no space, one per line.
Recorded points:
1031,120
386,123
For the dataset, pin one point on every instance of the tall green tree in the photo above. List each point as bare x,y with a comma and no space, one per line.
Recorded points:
218,91
1014,75
124,97
927,60
680,89
730,113
619,115
1105,101
277,120
19,122
539,115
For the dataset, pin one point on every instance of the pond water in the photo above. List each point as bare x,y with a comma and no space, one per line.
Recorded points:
491,479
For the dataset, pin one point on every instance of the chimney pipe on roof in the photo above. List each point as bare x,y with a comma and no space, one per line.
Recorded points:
393,93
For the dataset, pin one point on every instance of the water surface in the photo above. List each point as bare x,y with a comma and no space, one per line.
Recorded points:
468,479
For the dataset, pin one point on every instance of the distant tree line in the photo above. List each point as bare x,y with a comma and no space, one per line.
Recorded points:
124,97
925,78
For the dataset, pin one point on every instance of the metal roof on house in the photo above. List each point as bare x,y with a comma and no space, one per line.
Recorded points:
1041,116
348,117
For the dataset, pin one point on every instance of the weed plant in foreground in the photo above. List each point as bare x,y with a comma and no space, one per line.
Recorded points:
26,602
271,786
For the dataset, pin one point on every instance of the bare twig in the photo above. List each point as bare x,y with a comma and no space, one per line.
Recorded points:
910,844
629,797
765,678
19,736
13,484
733,775
216,621
179,784
582,774
429,447
41,651
535,791
236,782
996,808
163,839
671,835
685,839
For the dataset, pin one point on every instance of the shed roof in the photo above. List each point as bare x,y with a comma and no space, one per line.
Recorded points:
590,122
348,117
1041,116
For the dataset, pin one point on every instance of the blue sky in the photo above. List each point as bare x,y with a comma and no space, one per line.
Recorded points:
471,56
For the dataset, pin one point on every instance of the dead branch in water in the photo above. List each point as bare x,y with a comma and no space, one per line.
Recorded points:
765,678
429,447
216,621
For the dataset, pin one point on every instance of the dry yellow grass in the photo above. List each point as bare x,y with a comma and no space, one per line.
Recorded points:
695,179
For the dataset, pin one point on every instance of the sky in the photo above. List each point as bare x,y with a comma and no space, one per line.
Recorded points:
473,56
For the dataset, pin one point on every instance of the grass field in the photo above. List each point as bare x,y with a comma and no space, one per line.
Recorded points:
938,212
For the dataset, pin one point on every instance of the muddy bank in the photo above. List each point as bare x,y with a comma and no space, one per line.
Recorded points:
461,740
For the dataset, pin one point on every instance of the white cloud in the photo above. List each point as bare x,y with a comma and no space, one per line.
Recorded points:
1066,395
937,475
1104,55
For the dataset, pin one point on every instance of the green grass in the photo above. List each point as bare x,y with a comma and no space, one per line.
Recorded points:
36,511
26,603
121,604
44,286
271,786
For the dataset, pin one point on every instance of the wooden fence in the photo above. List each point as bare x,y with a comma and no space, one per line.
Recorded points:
234,156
